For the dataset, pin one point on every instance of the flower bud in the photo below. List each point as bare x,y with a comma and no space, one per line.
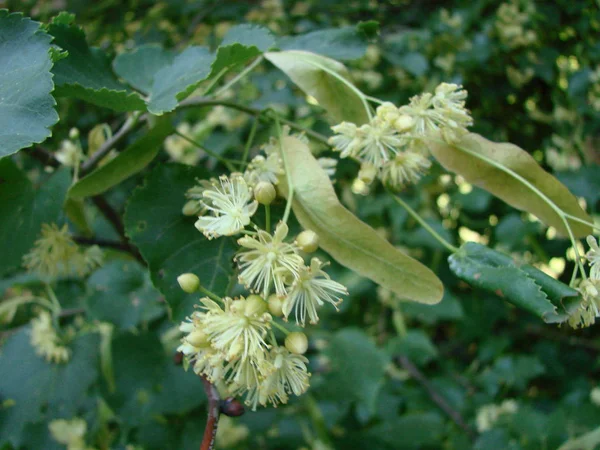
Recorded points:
367,173
191,208
255,305
188,282
296,342
404,123
264,193
73,133
275,305
308,241
197,338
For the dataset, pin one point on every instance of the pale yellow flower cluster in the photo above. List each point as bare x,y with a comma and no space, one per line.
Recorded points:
56,254
45,340
589,308
392,146
512,20
489,414
70,433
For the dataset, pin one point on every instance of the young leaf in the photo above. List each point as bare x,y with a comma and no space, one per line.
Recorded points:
476,159
168,240
139,66
24,209
26,105
349,241
525,286
133,159
86,74
313,74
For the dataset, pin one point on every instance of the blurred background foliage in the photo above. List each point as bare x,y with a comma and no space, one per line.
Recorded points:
471,372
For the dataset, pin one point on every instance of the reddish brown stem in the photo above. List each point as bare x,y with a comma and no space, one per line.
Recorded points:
214,411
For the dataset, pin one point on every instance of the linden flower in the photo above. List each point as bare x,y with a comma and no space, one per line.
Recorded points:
69,432
234,332
347,140
593,256
232,205
587,311
380,141
312,288
264,169
406,167
268,261
289,376
45,340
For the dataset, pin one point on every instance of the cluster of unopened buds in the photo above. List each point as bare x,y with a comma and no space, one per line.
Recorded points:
392,145
232,341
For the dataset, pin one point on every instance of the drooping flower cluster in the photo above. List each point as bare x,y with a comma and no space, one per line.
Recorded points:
489,414
232,341
56,254
391,146
70,433
45,340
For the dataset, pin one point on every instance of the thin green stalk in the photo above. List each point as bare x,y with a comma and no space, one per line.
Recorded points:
215,80
249,142
374,100
317,419
280,327
290,198
56,308
268,218
210,294
425,225
239,76
218,157
585,222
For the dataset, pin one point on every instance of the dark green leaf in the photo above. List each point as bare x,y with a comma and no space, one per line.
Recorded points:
122,293
344,43
411,431
416,345
26,105
139,66
448,309
133,159
86,72
24,209
169,241
526,286
357,368
36,385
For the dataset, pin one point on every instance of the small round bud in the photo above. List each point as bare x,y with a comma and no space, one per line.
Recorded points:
275,305
296,342
255,305
367,173
308,241
264,193
197,338
191,208
73,133
188,282
232,407
404,123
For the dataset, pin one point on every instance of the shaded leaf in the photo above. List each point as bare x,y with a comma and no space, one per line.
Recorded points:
122,293
349,241
168,240
139,66
129,162
36,386
524,286
416,345
26,105
310,72
411,431
463,159
24,209
344,43
86,74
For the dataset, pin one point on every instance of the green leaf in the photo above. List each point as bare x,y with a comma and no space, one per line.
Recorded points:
132,160
465,158
524,286
86,72
168,240
344,43
416,345
139,66
26,105
312,73
357,368
36,386
448,309
24,209
349,241
122,293
179,79
411,431
240,44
